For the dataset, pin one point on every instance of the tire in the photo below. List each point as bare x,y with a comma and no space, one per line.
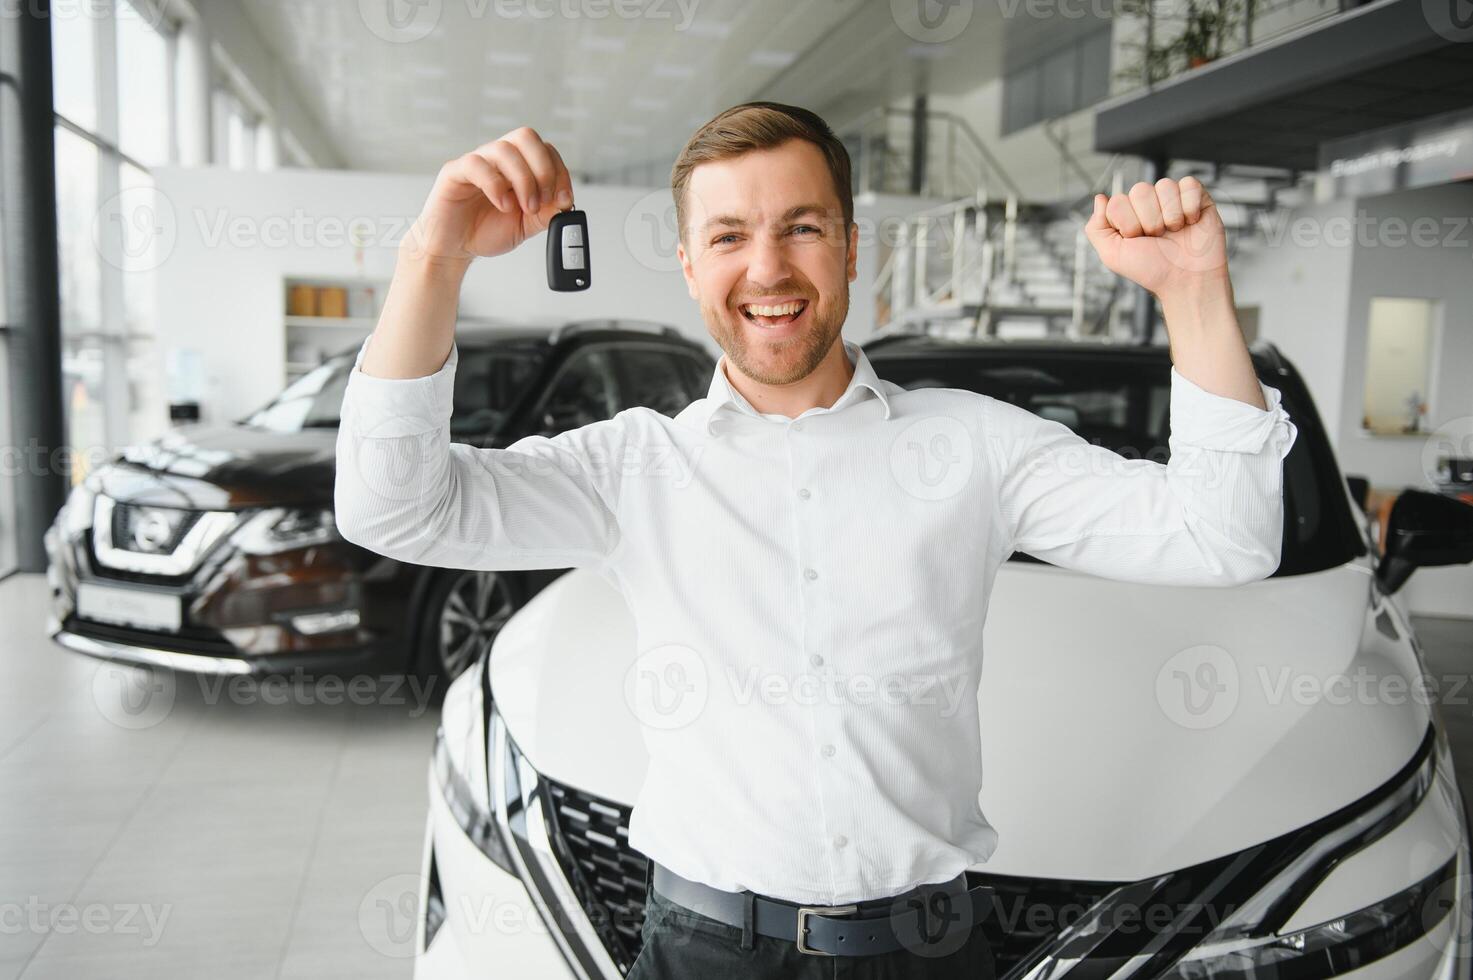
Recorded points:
463,614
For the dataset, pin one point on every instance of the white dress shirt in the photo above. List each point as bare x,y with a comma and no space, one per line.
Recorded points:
809,594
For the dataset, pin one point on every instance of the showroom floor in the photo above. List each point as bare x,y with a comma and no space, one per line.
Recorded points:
196,830
200,831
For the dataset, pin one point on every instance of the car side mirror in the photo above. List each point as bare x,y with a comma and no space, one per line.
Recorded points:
1424,529
1360,491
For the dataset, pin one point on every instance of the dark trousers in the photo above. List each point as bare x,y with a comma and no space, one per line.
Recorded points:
680,944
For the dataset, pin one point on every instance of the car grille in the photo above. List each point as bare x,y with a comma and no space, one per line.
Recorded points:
189,639
1028,912
591,840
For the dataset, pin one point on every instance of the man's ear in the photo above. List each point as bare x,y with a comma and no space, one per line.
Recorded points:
853,251
686,270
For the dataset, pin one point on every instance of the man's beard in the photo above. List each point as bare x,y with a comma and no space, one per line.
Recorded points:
796,357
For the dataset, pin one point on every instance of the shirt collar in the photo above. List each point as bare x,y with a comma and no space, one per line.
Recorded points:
723,397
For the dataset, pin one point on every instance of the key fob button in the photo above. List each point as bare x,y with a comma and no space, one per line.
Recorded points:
568,261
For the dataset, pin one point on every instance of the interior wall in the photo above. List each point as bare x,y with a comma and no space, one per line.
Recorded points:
1391,258
1313,271
232,237
1299,281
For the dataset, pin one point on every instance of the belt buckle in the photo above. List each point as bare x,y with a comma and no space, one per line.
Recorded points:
804,911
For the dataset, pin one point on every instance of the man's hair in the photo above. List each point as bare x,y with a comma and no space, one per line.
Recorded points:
761,126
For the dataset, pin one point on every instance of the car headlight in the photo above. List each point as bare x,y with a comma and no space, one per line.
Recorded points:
1250,941
278,529
1227,915
75,516
460,749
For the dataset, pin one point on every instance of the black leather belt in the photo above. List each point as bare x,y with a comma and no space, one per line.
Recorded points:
926,916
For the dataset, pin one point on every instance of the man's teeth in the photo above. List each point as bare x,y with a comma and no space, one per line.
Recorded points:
780,310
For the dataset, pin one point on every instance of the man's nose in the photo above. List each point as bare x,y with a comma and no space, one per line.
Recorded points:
768,262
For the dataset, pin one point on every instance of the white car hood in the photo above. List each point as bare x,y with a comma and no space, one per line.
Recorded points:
1095,766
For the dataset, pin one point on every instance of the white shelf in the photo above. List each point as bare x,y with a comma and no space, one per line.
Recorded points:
310,340
339,322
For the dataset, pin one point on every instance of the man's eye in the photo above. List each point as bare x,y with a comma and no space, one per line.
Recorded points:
806,228
722,239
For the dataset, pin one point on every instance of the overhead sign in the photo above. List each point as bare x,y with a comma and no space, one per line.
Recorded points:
1435,150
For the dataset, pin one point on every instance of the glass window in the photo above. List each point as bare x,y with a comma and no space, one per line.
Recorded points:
148,403
235,132
582,393
312,401
73,80
140,241
76,209
489,382
143,88
698,375
1094,67
1060,83
653,379
1021,93
84,401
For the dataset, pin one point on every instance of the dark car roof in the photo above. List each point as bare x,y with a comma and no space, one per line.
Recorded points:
1265,355
553,331
543,331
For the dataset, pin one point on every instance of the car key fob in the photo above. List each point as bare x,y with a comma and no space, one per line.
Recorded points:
567,251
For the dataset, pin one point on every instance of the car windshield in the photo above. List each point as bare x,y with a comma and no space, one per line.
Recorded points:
489,382
1123,404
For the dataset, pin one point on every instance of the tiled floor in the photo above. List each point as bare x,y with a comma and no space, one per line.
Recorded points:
200,831
196,830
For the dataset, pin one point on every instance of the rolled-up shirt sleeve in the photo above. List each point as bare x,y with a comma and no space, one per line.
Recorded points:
404,490
1212,514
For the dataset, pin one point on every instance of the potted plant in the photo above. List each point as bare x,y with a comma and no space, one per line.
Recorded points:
1207,23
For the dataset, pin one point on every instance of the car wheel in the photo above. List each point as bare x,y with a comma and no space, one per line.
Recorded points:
465,611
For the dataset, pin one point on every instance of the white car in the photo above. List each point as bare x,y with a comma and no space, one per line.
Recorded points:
1186,782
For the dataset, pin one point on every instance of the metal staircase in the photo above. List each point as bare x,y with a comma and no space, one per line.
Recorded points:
999,267
1003,267
989,262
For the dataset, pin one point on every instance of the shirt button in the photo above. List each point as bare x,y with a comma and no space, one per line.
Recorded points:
797,426
804,493
816,660
828,751
840,840
810,574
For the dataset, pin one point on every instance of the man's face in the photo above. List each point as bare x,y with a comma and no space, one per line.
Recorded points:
765,228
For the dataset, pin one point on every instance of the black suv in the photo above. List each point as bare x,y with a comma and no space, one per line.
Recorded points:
214,549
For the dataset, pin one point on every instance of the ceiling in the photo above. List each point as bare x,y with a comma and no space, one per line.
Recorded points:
403,85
